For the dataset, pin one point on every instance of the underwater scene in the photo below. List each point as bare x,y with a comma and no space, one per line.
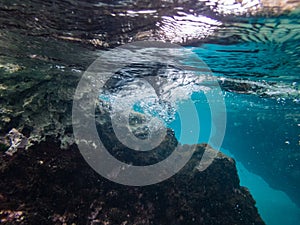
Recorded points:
139,112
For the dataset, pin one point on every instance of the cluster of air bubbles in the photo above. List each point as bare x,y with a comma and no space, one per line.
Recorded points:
149,106
156,108
281,100
156,95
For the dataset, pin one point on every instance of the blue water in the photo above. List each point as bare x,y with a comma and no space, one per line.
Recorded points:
275,207
262,123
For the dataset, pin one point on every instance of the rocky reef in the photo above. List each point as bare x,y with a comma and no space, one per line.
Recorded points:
47,185
48,181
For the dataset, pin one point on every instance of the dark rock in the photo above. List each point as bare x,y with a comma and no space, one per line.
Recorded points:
45,185
4,146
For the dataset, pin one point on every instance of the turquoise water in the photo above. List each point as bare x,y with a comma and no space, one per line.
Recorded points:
275,206
262,128
272,204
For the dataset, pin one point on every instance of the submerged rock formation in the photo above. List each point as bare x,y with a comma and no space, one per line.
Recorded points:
45,185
